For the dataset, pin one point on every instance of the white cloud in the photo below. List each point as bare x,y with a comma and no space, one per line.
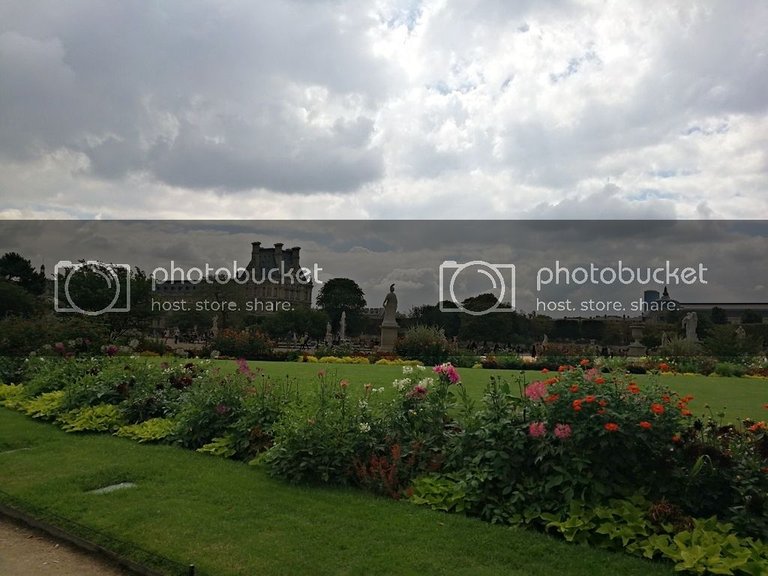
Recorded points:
388,109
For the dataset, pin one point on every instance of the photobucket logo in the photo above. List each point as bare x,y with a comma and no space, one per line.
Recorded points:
280,275
666,275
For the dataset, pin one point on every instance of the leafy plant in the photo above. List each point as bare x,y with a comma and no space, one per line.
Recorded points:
152,430
100,418
223,447
46,406
11,395
443,492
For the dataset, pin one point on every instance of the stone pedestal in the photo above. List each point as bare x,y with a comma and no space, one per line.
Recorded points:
388,336
636,349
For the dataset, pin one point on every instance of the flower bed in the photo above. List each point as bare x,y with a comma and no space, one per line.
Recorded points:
592,456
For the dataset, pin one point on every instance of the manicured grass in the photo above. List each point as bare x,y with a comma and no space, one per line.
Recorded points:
228,518
742,397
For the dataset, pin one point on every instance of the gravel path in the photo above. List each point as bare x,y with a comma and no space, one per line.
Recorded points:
26,552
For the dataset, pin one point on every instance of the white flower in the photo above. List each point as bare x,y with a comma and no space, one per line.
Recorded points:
365,427
421,367
407,369
401,384
379,390
426,382
362,404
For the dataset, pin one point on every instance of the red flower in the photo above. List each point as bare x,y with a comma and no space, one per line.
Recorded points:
665,398
757,427
584,362
657,409
677,439
611,426
544,370
602,403
576,405
686,412
601,411
664,367
645,425
633,388
600,380
574,388
561,368
552,398
589,399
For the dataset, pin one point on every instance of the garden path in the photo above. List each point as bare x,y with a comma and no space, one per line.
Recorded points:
27,552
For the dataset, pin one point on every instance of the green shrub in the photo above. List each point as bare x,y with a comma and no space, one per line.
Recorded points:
425,343
730,369
250,344
208,408
320,439
264,403
12,369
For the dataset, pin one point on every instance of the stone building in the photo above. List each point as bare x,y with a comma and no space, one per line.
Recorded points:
273,280
275,276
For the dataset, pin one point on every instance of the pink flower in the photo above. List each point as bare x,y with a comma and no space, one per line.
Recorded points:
591,375
243,368
563,431
536,390
537,429
417,391
222,409
448,371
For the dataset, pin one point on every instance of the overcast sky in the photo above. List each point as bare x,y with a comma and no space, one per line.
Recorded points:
411,254
383,109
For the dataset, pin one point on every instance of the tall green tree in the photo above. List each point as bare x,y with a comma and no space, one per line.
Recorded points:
118,297
751,317
15,301
342,295
719,316
19,270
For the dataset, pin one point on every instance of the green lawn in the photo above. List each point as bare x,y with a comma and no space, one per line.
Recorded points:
742,397
228,518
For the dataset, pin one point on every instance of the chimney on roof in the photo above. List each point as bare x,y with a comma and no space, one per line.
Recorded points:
255,249
278,254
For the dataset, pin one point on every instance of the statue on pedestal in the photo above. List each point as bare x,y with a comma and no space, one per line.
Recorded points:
690,322
343,326
389,323
390,305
